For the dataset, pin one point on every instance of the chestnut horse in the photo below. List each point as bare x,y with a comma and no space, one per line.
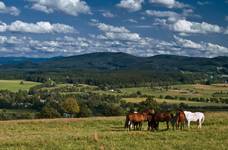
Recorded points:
179,120
161,117
136,119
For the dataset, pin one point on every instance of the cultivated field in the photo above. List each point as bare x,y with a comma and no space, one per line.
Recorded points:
184,90
169,101
108,133
15,85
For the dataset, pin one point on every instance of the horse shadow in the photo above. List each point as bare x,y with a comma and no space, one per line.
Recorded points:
162,130
122,129
115,129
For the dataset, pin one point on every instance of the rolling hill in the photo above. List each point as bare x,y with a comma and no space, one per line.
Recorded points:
121,67
122,61
17,60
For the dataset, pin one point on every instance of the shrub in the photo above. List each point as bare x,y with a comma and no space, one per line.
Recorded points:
48,112
169,97
70,106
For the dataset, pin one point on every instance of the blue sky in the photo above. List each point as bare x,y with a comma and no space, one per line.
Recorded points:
49,28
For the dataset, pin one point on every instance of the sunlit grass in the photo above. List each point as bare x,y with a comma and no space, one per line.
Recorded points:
183,90
14,85
171,101
108,133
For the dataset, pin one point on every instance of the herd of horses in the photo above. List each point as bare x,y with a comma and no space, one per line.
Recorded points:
178,120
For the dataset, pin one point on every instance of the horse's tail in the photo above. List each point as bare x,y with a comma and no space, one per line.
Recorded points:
126,122
203,118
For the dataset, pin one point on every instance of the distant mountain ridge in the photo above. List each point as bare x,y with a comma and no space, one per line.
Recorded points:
115,61
104,67
16,60
120,61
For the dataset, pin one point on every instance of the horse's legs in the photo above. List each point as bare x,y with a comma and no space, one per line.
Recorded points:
167,123
129,126
153,126
181,126
199,126
149,125
157,125
173,125
136,126
177,125
189,124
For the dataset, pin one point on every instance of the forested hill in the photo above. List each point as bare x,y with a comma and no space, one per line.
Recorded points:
122,61
99,67
19,60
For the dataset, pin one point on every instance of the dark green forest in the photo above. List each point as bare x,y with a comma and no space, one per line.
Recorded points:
118,69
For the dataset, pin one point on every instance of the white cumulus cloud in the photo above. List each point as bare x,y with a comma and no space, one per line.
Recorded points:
107,14
42,8
169,3
31,47
172,16
185,26
117,33
70,7
187,43
39,27
9,10
131,5
202,48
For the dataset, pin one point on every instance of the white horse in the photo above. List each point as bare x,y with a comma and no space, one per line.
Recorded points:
197,116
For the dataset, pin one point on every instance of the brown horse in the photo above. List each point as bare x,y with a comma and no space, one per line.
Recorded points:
136,119
180,119
152,125
161,117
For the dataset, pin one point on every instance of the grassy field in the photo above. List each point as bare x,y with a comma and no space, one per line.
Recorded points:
190,103
184,90
14,85
108,133
21,112
188,90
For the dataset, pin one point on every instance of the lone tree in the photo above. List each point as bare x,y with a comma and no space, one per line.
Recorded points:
70,106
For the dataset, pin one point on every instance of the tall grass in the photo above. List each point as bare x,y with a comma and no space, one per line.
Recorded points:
108,133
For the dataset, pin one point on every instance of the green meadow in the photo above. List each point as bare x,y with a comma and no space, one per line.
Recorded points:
172,101
188,90
108,133
15,85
